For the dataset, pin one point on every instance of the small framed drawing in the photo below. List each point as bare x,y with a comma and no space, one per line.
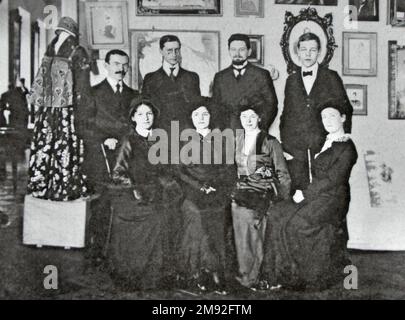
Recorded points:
366,10
179,7
360,54
396,13
249,8
257,46
107,24
357,94
396,81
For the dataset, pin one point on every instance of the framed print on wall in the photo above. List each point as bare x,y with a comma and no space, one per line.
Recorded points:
178,7
107,24
257,46
367,10
357,94
360,54
249,8
396,13
199,52
396,81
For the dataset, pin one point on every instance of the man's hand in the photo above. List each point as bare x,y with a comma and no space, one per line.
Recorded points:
298,196
288,156
111,143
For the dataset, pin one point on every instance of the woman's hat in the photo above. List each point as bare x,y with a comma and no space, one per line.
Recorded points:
68,25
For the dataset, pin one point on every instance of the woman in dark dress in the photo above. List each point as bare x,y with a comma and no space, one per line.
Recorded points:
207,182
306,239
138,233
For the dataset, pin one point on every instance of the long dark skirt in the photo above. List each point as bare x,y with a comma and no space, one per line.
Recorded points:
138,242
55,171
305,244
202,246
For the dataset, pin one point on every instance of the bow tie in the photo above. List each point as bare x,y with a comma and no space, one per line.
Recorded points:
307,74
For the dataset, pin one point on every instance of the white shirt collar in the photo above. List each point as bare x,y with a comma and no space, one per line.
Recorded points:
113,84
167,66
143,132
314,69
204,132
242,67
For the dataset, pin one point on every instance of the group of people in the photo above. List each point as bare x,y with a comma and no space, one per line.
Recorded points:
238,211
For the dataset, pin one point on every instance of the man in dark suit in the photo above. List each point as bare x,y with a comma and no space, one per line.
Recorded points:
171,88
301,130
243,81
108,121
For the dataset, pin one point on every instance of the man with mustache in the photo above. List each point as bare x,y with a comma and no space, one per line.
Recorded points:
108,122
243,81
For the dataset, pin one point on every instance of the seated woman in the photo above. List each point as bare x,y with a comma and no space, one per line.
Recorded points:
262,178
138,233
306,242
207,182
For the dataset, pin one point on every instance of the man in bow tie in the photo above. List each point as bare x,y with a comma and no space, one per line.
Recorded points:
301,130
243,81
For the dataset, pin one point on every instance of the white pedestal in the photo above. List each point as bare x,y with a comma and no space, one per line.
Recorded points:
53,223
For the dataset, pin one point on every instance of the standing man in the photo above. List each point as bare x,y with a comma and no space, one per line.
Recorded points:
108,122
171,88
243,81
301,130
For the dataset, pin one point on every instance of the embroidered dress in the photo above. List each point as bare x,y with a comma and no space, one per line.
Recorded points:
56,149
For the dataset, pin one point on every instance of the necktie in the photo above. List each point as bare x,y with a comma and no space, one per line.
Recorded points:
172,77
307,74
118,91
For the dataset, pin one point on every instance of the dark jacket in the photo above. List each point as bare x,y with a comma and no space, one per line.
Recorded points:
173,98
301,127
108,117
255,84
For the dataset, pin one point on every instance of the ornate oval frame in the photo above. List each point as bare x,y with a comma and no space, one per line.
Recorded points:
307,14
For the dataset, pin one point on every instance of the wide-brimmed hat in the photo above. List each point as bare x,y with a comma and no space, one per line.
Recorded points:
69,25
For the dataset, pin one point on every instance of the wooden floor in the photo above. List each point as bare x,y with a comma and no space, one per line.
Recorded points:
381,274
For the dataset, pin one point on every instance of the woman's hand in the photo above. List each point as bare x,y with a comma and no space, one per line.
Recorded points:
298,197
207,189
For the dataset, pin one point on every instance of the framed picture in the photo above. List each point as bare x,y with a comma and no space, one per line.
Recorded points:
257,45
357,94
199,51
360,54
308,20
178,7
366,10
396,13
107,24
15,45
396,81
309,2
249,8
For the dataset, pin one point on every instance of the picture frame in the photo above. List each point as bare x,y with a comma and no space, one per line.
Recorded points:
107,24
358,97
308,2
366,11
253,8
200,53
307,20
178,8
396,81
360,54
15,22
396,13
257,46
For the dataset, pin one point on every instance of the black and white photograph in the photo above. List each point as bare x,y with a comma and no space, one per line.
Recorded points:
202,154
366,10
